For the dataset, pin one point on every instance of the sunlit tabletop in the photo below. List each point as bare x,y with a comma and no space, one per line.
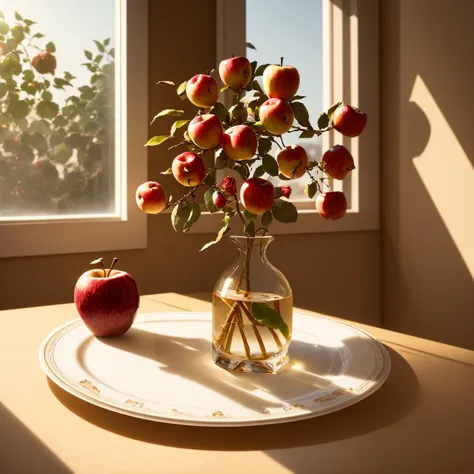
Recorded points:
421,421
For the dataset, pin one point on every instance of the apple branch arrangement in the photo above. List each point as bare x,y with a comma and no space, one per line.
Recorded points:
242,137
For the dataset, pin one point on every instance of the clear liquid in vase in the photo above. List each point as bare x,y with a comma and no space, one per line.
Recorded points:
248,340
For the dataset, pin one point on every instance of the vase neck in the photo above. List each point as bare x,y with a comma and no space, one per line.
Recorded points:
252,248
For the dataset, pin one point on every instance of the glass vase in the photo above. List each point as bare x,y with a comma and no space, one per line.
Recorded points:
252,312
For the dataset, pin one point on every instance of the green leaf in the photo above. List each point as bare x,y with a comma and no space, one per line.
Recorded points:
100,46
333,108
158,140
267,219
38,35
181,90
225,228
264,146
259,171
87,93
256,86
29,22
178,124
323,121
51,47
193,216
208,201
47,96
168,171
250,46
270,165
297,97
18,16
261,69
240,168
170,83
224,88
307,134
168,112
180,215
311,189
284,211
47,110
270,318
20,109
301,114
220,111
250,229
98,58
96,261
249,216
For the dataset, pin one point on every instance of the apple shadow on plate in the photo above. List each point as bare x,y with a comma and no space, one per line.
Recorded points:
392,402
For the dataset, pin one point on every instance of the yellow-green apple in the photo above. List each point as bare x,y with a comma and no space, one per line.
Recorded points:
202,91
281,82
331,205
107,301
44,63
257,195
337,162
219,199
188,169
229,186
235,72
276,116
239,142
349,121
292,161
18,33
151,197
206,131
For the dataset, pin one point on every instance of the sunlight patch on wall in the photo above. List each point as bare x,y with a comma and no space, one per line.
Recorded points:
447,174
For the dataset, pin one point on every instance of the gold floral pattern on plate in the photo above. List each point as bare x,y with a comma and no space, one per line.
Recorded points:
331,396
88,385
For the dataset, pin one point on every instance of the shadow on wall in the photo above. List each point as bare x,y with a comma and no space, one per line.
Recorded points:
427,163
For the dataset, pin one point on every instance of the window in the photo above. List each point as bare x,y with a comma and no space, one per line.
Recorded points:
334,44
65,137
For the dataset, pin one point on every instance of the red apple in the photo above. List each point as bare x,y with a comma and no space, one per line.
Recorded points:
206,131
337,162
281,82
188,169
219,200
349,121
107,303
331,205
239,142
286,191
44,63
235,72
293,161
202,91
151,197
257,195
276,116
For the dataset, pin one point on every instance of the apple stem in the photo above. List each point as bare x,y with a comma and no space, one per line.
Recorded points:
114,261
103,267
281,61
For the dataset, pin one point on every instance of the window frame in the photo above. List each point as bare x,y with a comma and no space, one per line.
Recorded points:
351,73
126,228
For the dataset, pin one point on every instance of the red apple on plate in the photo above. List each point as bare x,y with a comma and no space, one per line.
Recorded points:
107,300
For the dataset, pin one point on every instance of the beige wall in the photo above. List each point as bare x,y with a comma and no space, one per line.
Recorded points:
337,274
427,168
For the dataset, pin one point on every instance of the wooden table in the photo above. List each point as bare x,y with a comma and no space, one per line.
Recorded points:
421,421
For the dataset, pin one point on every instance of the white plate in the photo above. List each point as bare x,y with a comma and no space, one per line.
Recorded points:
162,370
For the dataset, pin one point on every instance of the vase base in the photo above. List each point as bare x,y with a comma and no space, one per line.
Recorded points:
236,365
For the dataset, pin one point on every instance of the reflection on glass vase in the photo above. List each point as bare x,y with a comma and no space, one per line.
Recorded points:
252,312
